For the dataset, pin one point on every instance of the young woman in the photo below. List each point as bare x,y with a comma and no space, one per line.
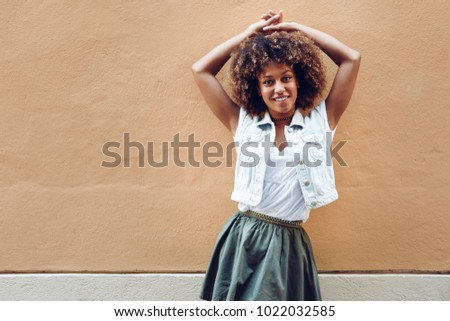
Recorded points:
283,167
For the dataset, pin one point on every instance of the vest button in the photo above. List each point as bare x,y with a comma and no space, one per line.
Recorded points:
306,183
313,204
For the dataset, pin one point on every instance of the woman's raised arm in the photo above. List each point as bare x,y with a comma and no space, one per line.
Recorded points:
207,67
345,57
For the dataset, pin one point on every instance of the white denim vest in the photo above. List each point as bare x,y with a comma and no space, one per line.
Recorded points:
311,139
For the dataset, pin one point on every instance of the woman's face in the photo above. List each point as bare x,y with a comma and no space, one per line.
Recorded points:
277,85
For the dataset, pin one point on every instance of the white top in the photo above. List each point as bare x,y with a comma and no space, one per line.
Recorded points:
282,196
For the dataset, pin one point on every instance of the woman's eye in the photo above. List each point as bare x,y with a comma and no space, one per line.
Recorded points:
287,78
267,82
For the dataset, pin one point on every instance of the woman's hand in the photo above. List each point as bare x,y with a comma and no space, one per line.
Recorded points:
271,13
267,19
282,26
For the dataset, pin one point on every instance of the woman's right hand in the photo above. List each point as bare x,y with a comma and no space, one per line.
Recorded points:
267,19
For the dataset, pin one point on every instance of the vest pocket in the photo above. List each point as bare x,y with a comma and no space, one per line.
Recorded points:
313,149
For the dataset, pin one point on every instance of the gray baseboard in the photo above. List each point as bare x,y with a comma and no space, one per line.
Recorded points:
181,287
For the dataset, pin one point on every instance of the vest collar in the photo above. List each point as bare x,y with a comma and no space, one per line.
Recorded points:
297,120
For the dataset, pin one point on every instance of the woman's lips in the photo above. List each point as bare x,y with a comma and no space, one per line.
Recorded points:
281,99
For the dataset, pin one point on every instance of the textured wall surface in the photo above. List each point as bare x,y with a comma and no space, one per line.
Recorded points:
76,75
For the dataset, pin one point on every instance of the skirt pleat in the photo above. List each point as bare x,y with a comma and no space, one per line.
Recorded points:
254,260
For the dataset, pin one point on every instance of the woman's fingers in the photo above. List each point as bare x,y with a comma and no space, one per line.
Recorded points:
273,27
272,13
272,19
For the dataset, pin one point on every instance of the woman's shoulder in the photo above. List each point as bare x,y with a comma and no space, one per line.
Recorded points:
245,121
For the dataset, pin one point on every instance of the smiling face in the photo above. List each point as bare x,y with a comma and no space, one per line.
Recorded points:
277,85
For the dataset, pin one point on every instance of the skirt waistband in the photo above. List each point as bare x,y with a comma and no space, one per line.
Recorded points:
273,220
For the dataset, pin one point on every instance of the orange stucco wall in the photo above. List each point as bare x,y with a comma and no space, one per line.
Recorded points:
75,75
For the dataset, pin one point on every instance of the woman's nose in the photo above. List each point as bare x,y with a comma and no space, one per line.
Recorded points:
279,87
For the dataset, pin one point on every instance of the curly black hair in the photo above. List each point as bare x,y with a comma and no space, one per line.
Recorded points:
290,48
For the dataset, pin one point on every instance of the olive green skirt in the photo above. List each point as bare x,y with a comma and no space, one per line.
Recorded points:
255,260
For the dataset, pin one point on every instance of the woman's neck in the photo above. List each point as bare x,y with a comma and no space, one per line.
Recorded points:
282,120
